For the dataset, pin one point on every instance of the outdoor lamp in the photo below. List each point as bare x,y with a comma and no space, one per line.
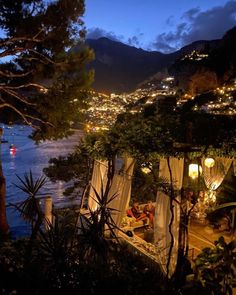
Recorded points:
145,168
209,162
194,170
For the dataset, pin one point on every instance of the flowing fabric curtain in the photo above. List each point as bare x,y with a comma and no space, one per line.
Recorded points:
162,235
214,176
121,188
98,181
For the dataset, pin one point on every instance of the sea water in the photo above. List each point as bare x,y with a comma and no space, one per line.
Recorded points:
30,156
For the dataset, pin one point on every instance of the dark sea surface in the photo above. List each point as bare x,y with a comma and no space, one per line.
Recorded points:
30,156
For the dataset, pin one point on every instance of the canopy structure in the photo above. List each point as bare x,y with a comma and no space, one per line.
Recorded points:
168,204
166,236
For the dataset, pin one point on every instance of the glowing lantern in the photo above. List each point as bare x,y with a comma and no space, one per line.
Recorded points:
209,162
194,170
146,168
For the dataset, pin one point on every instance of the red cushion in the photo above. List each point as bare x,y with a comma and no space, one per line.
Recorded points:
129,213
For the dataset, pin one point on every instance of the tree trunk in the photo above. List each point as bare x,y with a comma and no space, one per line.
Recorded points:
171,219
4,227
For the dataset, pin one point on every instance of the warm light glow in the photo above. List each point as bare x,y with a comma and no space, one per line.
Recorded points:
210,196
145,170
209,162
194,170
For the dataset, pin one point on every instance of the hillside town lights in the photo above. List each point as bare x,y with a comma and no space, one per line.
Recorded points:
209,162
194,170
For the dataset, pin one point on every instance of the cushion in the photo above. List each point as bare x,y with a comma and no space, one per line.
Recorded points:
129,213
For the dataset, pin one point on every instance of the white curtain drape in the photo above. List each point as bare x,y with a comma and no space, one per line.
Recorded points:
162,236
214,176
121,187
98,181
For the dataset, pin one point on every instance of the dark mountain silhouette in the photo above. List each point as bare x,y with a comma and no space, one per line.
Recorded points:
194,76
121,68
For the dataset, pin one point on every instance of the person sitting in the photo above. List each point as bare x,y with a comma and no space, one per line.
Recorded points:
136,212
149,211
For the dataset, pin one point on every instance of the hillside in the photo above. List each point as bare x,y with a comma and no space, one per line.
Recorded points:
196,75
121,68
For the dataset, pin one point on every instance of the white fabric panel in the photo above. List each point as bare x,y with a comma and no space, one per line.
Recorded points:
116,189
99,178
129,168
121,186
162,236
214,176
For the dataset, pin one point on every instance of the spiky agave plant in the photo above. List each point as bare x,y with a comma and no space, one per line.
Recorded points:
93,228
30,209
59,246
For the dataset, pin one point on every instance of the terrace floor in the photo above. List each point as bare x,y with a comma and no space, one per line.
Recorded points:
200,236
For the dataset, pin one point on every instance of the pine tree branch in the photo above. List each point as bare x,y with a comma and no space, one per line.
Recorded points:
41,87
25,116
17,96
39,32
13,75
42,56
13,40
39,120
7,105
12,51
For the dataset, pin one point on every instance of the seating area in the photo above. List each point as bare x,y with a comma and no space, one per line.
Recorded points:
199,230
131,223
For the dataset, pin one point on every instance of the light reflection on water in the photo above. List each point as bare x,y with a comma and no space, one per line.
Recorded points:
30,156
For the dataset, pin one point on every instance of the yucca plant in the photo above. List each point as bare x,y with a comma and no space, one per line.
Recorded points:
30,209
59,246
97,230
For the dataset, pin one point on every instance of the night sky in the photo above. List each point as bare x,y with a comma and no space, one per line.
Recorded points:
163,25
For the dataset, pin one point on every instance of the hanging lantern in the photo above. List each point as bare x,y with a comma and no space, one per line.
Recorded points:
194,170
209,162
146,168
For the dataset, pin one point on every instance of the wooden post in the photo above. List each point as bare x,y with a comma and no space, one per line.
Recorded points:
48,211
